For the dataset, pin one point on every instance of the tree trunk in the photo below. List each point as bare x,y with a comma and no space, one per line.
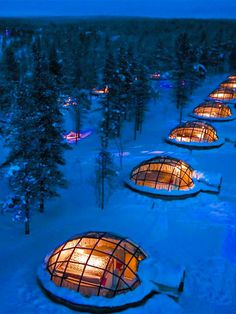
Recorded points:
140,127
121,151
41,198
27,216
41,203
103,182
181,113
136,121
135,128
77,124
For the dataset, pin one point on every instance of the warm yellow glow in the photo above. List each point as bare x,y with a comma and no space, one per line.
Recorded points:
167,175
69,102
220,95
194,132
232,77
223,94
105,90
213,110
229,84
84,263
80,256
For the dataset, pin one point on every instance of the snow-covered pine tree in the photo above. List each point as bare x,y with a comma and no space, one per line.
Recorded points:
9,77
104,163
183,72
109,70
21,159
110,101
115,103
11,64
105,171
232,59
141,93
80,109
55,66
125,81
50,145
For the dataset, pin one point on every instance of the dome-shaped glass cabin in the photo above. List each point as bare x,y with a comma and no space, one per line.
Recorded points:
230,84
192,132
223,94
96,263
213,110
163,173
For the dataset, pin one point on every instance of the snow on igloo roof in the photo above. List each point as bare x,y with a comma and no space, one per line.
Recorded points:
163,173
96,263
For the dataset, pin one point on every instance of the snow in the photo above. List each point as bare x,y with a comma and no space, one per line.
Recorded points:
168,193
204,145
197,233
152,273
226,119
139,293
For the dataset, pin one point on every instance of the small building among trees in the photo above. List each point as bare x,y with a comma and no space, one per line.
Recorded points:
100,91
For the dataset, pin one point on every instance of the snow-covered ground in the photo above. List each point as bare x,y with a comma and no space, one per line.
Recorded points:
198,233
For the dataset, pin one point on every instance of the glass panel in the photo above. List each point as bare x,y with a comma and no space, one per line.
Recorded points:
107,245
87,243
64,255
71,244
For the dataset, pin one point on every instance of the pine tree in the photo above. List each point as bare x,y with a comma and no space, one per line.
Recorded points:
104,167
21,159
232,59
12,68
55,66
182,51
124,81
50,145
184,72
141,94
109,70
9,77
111,102
81,105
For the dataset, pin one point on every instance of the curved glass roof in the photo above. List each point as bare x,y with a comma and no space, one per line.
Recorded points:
213,109
194,131
96,263
163,173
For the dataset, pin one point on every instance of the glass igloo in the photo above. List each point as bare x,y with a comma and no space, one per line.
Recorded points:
169,178
213,111
194,134
93,271
223,94
96,263
163,173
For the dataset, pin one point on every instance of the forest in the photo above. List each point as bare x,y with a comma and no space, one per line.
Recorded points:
117,139
47,63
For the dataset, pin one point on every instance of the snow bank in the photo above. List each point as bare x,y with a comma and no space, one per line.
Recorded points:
196,145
